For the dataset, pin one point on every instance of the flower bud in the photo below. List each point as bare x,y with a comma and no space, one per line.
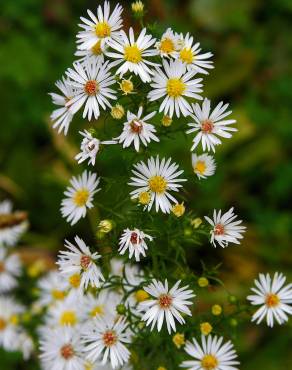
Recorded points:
206,328
121,309
179,340
105,226
203,282
178,209
196,222
166,121
216,310
141,295
138,9
127,86
117,111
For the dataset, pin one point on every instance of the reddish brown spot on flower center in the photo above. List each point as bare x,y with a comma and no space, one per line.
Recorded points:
2,324
136,126
134,238
2,267
85,262
67,351
219,229
272,300
91,87
109,338
207,126
165,301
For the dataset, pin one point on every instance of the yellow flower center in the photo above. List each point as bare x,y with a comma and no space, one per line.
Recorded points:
102,30
127,86
96,311
200,167
57,294
175,87
166,45
178,209
91,87
178,339
186,55
144,197
68,318
2,324
157,184
80,198
14,320
132,54
272,300
141,295
74,280
96,49
209,362
206,328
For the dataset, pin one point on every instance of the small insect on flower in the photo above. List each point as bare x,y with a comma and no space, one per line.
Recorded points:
90,147
136,129
157,178
169,44
79,196
91,81
106,338
79,260
175,84
224,229
12,224
210,126
134,241
190,55
62,116
133,54
10,269
168,304
61,348
203,165
274,298
100,29
210,355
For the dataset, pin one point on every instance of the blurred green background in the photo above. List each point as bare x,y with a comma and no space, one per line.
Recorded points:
252,44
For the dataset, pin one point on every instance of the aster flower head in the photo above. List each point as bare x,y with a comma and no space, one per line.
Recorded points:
79,260
225,229
210,126
137,130
169,44
274,298
166,304
211,354
134,241
53,287
133,54
61,348
90,147
157,178
10,269
91,81
190,55
203,165
99,29
175,85
106,340
101,305
12,224
62,116
79,196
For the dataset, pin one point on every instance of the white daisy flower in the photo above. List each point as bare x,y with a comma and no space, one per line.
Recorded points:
100,29
25,345
134,241
103,305
157,178
62,116
211,354
133,53
190,55
224,229
274,298
52,288
10,270
12,224
91,81
136,129
105,340
95,53
166,304
90,147
175,84
169,44
9,318
79,196
66,312
61,348
210,126
79,260
203,165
